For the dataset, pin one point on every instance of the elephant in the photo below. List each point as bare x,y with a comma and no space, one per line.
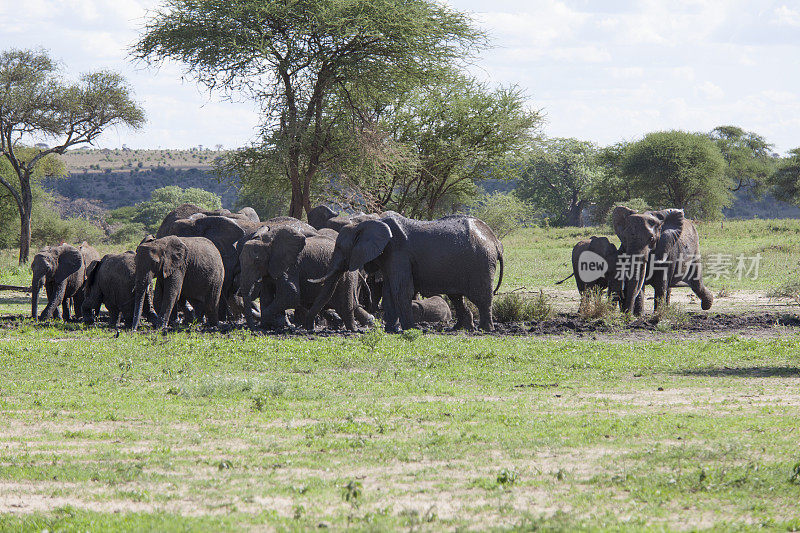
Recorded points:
319,216
62,271
586,277
455,255
245,215
432,310
285,258
661,248
323,216
110,281
188,268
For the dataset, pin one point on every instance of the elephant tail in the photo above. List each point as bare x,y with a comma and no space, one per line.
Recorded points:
499,258
565,279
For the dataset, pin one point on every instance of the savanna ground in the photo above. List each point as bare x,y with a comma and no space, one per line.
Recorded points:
610,424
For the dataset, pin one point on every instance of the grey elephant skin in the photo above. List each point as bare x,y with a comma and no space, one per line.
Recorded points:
184,211
62,271
609,280
187,268
323,216
433,310
455,255
668,246
110,282
284,259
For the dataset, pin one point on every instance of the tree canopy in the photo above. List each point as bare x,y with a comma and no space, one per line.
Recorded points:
37,102
306,61
748,158
151,212
679,169
786,179
560,179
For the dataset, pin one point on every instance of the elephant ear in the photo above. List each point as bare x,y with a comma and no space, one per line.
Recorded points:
318,216
672,225
372,236
69,262
91,271
619,218
284,248
175,253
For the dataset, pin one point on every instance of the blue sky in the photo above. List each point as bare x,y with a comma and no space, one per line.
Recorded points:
600,70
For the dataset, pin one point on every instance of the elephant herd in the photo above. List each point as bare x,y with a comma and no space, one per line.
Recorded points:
336,270
342,270
658,248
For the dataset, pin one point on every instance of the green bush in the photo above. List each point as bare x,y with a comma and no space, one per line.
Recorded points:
131,232
48,228
503,212
514,307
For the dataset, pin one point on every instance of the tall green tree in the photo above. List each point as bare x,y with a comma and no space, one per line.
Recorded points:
429,148
785,181
748,158
560,179
36,102
679,169
296,58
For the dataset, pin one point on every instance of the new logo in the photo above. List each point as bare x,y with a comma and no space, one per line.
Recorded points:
591,266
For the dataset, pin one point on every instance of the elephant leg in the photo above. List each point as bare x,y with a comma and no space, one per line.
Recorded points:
170,295
484,305
702,292
113,316
65,308
464,319
401,286
389,311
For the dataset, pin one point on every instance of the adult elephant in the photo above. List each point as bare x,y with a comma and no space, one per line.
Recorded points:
184,211
594,266
284,259
62,271
455,255
188,268
661,248
110,282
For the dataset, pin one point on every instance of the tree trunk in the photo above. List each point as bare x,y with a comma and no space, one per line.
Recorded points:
24,235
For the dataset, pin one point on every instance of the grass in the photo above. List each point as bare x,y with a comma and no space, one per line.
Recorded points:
209,431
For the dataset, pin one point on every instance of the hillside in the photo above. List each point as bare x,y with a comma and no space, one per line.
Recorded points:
124,177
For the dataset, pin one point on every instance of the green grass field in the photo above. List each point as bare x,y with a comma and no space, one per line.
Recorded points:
210,431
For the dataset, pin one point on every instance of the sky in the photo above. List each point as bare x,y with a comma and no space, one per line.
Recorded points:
600,70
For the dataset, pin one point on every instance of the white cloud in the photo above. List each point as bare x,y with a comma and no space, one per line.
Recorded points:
787,16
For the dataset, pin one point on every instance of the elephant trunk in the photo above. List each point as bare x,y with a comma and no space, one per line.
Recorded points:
143,281
36,287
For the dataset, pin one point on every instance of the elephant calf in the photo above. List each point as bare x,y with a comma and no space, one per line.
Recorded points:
433,310
110,281
594,266
62,271
187,268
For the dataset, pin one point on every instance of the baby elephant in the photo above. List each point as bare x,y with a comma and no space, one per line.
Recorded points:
110,281
594,265
431,310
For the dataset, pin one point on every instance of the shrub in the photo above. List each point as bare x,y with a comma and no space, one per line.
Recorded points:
514,307
503,212
48,228
595,304
127,233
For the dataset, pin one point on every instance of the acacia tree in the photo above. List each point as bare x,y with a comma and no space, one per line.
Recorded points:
37,102
560,179
293,57
786,179
748,158
679,169
424,152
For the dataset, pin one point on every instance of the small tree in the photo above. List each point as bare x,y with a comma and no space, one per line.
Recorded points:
163,200
748,158
786,180
560,179
679,169
37,102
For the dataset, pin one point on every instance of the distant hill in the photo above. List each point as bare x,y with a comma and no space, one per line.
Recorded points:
116,178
